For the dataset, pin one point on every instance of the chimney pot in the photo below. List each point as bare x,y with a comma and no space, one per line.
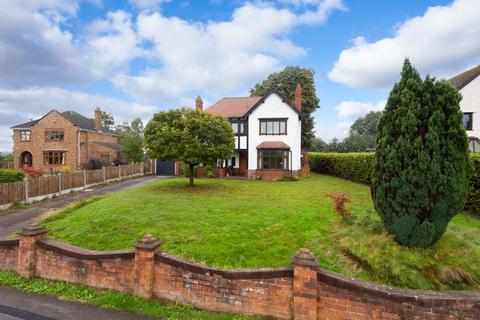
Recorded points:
98,119
298,98
199,103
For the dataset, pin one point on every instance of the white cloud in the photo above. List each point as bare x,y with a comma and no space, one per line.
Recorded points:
347,113
355,109
21,105
443,41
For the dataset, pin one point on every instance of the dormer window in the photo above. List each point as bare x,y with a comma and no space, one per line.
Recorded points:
25,135
468,120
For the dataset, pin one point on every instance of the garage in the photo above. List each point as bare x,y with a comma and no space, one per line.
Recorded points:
165,168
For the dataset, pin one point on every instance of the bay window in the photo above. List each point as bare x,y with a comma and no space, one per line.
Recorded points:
273,159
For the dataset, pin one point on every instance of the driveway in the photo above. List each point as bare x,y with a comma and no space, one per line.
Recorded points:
15,305
14,220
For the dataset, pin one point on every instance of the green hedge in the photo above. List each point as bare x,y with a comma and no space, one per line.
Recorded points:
358,167
10,175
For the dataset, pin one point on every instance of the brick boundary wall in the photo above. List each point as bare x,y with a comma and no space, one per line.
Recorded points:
302,291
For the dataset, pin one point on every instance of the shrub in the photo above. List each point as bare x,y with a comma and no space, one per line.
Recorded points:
209,171
119,162
33,171
332,164
351,166
10,175
340,200
93,164
421,165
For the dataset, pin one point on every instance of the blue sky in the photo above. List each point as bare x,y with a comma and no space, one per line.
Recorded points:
135,57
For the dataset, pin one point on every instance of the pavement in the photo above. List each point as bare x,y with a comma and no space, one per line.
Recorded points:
14,220
15,305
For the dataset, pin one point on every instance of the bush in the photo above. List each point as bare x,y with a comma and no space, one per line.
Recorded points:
341,165
10,175
93,164
351,166
209,171
119,162
340,201
33,171
472,202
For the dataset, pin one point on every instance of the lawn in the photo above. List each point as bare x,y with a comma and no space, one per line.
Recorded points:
250,224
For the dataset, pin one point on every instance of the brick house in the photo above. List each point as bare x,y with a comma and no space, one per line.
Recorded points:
60,140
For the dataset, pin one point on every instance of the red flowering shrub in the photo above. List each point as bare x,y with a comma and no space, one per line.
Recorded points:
33,171
340,200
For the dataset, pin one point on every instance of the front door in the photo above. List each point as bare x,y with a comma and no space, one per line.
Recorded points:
26,159
243,165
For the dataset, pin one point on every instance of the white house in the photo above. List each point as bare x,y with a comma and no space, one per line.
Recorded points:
468,83
267,134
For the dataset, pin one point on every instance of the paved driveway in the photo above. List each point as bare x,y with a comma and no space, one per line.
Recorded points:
14,220
15,305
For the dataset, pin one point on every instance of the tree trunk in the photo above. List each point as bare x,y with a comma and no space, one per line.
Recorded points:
192,167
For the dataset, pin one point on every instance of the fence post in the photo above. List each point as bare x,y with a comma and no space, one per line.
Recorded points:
104,174
120,172
84,179
305,266
25,186
144,265
142,169
59,183
27,249
131,169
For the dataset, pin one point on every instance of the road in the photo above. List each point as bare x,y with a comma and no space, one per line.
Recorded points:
16,305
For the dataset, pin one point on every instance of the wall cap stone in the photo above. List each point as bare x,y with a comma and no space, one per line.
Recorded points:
83,254
11,242
148,242
33,230
305,257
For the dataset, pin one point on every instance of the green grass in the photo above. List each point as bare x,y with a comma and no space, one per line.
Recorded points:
111,300
249,224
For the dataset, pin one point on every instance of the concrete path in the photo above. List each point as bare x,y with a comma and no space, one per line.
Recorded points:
15,305
15,219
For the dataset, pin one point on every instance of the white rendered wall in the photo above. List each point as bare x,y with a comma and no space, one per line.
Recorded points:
471,103
274,107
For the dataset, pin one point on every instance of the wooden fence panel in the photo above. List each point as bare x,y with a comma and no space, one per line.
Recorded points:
40,186
94,176
12,192
137,168
72,180
126,170
111,172
6,164
147,167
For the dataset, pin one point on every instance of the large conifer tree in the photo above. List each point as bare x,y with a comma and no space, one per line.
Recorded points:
421,161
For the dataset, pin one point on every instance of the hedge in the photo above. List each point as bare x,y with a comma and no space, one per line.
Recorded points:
10,175
358,167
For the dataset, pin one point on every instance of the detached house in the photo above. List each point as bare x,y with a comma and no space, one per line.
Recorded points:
63,139
468,83
267,134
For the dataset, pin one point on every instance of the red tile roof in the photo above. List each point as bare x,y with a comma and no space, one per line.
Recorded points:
233,107
273,145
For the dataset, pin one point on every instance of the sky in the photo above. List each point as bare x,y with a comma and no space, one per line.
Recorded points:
133,58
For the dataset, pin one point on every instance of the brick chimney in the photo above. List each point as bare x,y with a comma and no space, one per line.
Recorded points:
298,98
98,119
199,103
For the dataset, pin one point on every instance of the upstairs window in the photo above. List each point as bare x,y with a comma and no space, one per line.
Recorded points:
54,157
54,135
25,135
239,127
468,120
273,127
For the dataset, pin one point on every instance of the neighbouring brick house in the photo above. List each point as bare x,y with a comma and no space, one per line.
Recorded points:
61,140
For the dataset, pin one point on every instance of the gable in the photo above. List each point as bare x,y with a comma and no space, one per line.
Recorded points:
274,105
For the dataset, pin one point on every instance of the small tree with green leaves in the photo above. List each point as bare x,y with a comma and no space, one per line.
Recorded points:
421,162
131,139
192,137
